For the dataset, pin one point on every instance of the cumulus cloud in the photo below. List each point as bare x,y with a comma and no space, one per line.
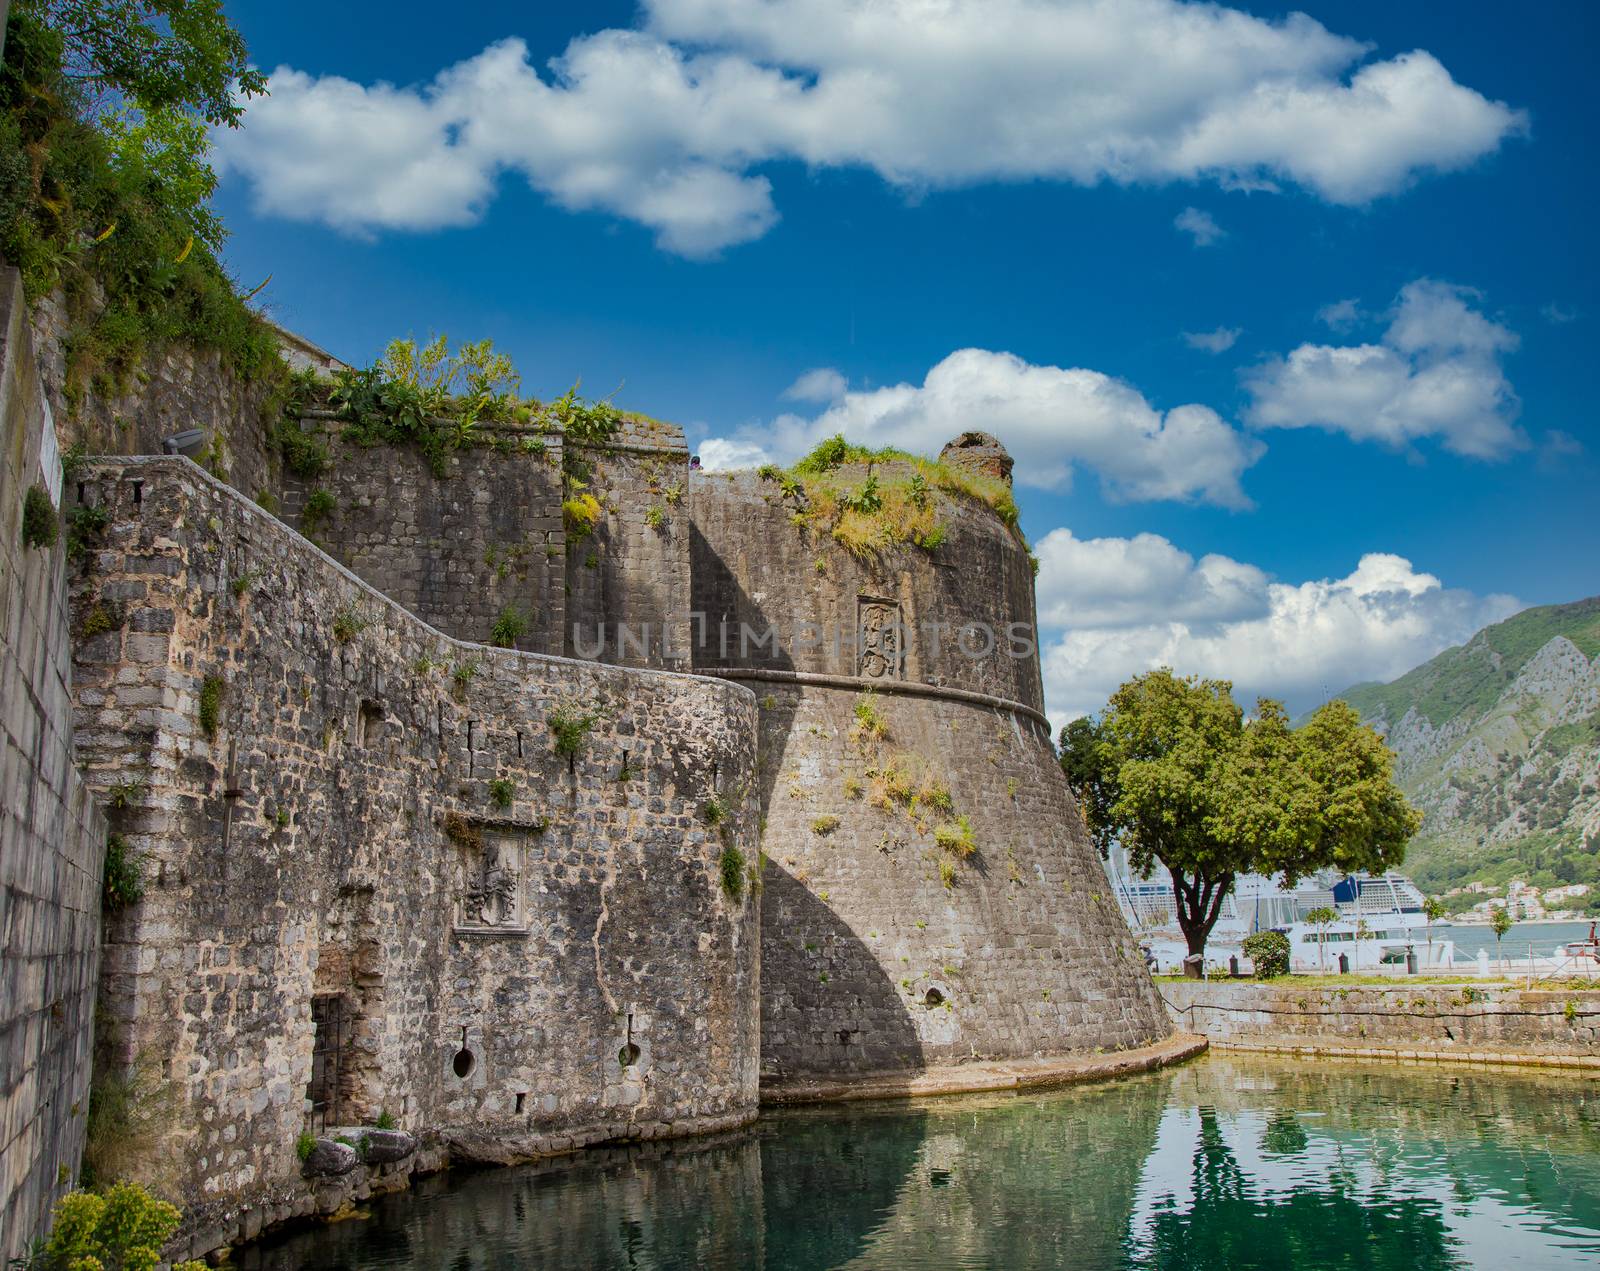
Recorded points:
1119,606
824,384
1436,373
667,124
1053,419
720,453
1200,226
1218,341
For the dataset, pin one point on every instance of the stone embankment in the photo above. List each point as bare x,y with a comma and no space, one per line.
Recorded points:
1456,1022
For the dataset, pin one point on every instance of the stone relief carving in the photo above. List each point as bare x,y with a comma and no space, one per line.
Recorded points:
881,653
491,893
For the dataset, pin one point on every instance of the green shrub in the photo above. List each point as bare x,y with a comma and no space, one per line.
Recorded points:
571,728
502,791
39,526
85,524
123,882
211,704
508,627
731,865
305,1145
714,810
320,504
347,625
120,1229
385,1121
1269,951
824,825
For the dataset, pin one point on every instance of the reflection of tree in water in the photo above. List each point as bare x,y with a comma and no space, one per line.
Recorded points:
1228,1225
1285,1136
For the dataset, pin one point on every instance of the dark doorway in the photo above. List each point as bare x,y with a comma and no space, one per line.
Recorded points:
327,1059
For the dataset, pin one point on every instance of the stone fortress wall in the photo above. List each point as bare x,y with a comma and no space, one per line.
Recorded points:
52,836
305,742
334,887
872,958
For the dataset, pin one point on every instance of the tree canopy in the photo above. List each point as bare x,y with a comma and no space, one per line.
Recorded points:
1174,772
158,55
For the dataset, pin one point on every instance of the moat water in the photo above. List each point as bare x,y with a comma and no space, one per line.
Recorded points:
1231,1161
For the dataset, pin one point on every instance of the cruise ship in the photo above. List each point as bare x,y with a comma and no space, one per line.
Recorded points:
1380,921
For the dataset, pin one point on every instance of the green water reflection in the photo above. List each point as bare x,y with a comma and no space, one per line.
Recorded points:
1232,1161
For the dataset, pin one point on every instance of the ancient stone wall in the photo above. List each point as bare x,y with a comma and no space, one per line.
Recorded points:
345,905
1460,1021
175,389
931,894
457,550
52,837
628,581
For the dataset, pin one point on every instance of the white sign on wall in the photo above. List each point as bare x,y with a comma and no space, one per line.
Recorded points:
50,453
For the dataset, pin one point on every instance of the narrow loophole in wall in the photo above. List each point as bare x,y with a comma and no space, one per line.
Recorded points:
628,1055
370,725
933,998
522,1099
463,1064
138,493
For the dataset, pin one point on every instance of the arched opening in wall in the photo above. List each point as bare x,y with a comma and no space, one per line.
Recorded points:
463,1063
932,998
347,1011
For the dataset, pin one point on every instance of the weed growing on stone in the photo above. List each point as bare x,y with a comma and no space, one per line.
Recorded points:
655,516
245,581
85,524
462,832
102,617
123,882
210,704
502,791
956,838
320,504
731,866
870,723
947,873
714,810
824,825
39,528
385,1121
305,1145
347,625
571,727
508,627
463,676
121,795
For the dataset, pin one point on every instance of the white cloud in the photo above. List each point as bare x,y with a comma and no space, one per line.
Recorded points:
824,384
1558,315
1436,373
1122,606
1052,419
666,125
718,454
1341,315
1218,341
1200,226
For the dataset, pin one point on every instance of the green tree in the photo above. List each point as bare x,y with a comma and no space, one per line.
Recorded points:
1322,918
157,55
1501,920
1174,773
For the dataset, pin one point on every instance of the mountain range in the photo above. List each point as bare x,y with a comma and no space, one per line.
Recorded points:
1498,743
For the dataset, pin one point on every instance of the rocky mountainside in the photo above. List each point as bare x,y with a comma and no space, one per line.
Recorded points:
1498,742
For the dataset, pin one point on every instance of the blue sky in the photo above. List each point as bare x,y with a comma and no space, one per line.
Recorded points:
715,197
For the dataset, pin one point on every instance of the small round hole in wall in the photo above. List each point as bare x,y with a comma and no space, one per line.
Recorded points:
933,998
628,1055
464,1062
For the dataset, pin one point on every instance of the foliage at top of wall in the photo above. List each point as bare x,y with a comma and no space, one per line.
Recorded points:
434,396
867,513
104,185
